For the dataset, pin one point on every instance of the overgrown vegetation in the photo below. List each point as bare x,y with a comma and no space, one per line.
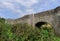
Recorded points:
24,32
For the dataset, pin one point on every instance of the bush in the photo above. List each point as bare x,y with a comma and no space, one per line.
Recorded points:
24,32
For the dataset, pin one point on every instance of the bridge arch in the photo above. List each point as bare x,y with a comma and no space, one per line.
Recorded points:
39,24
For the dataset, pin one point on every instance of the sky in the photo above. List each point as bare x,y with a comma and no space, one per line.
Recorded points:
17,8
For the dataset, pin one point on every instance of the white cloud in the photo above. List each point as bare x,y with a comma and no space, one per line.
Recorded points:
53,0
8,5
30,11
27,3
11,6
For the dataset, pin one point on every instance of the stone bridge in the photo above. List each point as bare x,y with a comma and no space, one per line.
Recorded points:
51,16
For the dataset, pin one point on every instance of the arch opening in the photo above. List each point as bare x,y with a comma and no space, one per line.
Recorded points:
39,24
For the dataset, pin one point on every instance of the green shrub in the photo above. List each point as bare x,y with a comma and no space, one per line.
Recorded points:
25,32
